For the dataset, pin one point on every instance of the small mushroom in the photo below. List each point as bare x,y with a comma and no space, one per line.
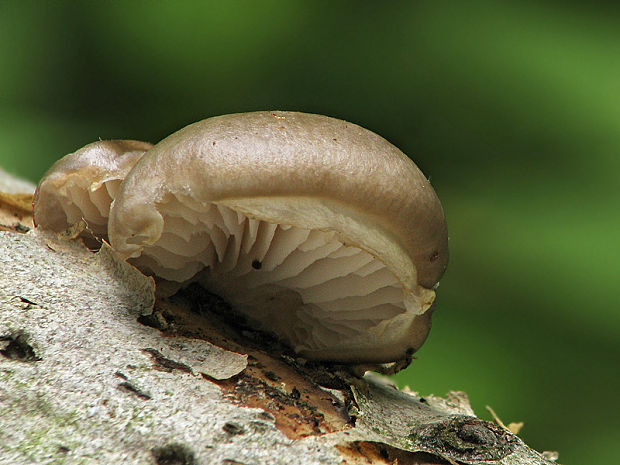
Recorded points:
82,185
315,229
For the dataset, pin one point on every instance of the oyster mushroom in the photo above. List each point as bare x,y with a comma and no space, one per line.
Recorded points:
82,185
314,228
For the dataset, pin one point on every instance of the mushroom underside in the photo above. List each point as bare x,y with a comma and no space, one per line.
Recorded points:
306,286
76,199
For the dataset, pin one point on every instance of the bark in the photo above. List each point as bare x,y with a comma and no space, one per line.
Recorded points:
94,370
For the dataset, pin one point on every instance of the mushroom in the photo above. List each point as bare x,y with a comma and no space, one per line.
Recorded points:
315,229
81,186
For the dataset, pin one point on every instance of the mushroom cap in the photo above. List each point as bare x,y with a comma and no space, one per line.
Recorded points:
306,174
82,185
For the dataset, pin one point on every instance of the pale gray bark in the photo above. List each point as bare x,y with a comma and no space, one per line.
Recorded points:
82,381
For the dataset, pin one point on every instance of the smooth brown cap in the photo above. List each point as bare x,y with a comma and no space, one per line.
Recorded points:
316,171
72,188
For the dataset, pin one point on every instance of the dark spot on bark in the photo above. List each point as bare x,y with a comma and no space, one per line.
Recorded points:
295,394
162,363
28,303
434,256
267,416
259,426
270,375
173,454
233,428
16,347
127,386
63,449
21,228
423,400
257,265
476,434
464,439
121,375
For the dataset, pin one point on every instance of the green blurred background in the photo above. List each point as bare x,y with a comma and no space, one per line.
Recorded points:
511,108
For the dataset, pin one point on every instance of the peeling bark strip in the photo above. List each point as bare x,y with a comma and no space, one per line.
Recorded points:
16,212
216,394
127,386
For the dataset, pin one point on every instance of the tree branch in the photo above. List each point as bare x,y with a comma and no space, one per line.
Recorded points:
93,370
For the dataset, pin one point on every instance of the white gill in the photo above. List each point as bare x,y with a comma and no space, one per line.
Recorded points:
303,285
